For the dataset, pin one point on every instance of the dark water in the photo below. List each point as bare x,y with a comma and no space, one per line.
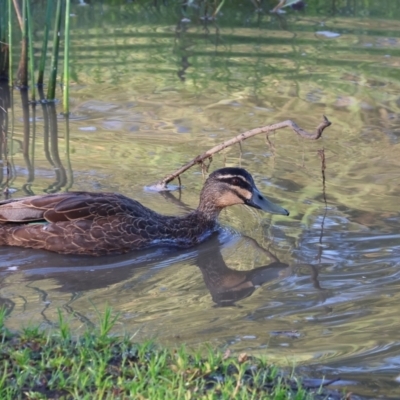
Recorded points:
150,91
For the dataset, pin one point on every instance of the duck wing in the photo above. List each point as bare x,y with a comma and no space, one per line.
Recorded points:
68,206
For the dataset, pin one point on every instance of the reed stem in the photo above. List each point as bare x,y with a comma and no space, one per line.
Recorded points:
3,41
42,63
30,47
218,9
18,12
10,44
22,75
70,174
66,58
51,91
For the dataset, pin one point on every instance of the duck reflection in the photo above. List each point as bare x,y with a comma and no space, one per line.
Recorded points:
81,274
227,285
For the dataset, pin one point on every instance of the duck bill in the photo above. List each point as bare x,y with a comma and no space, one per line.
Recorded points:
258,200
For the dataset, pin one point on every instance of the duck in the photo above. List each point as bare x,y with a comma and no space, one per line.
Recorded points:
98,224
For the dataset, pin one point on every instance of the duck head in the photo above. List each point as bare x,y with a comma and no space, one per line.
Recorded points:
229,186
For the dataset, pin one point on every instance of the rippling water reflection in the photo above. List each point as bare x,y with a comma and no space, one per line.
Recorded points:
326,293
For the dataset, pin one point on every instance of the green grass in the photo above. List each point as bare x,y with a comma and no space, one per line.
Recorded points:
40,365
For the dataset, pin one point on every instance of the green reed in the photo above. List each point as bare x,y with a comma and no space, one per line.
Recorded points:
218,9
10,41
42,63
51,90
66,58
3,39
22,73
30,48
24,12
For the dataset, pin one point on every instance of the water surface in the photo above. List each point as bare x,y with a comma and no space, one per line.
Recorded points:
150,92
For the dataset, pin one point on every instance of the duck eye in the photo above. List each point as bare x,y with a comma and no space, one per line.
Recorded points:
235,181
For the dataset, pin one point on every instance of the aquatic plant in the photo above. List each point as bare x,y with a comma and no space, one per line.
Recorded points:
10,13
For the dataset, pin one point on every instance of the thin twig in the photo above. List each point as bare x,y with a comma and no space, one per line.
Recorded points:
162,185
315,268
269,143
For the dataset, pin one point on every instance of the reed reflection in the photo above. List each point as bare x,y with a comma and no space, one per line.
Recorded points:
4,106
28,143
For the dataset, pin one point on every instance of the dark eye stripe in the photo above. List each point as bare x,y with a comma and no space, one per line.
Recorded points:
241,197
237,182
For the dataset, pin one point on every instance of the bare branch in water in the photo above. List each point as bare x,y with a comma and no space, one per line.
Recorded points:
162,185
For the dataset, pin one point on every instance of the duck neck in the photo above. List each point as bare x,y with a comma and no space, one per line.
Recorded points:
208,210
209,205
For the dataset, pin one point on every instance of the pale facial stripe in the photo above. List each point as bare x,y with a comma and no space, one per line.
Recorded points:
230,176
242,189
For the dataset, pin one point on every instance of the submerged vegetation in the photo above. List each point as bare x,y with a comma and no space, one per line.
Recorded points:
40,365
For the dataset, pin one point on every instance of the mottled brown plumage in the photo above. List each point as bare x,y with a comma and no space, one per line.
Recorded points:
109,223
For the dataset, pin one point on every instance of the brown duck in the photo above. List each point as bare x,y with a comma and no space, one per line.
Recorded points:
109,223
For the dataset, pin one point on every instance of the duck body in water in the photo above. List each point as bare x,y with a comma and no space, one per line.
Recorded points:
109,223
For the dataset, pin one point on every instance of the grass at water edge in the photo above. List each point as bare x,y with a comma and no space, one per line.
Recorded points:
36,364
